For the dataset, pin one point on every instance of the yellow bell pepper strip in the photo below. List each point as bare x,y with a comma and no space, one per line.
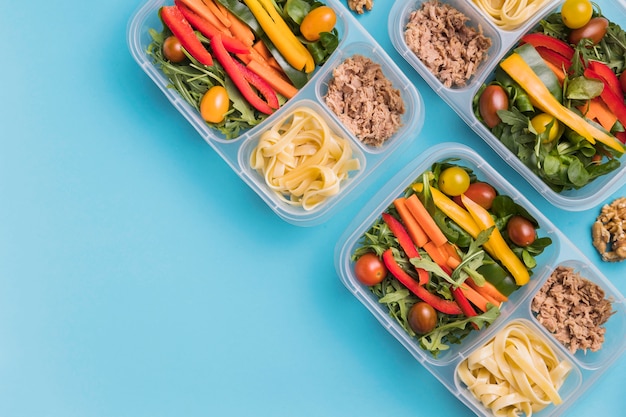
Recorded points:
518,69
294,52
244,79
180,27
501,249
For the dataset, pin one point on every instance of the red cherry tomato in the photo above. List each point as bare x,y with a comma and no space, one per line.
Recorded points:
173,49
422,317
479,192
492,99
594,30
521,231
369,269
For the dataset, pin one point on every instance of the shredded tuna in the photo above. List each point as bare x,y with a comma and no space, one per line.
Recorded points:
574,309
450,49
365,100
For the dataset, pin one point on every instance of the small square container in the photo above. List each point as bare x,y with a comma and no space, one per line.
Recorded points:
585,367
236,151
460,98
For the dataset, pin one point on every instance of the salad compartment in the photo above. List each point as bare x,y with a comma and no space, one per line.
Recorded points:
353,39
586,366
462,98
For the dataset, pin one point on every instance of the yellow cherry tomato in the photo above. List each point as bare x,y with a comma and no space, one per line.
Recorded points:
214,104
320,19
453,181
576,13
541,121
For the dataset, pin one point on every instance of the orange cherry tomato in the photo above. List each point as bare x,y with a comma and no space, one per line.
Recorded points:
320,19
214,104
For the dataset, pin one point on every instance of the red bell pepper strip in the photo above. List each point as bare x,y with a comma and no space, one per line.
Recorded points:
613,101
541,39
406,243
464,304
244,79
608,76
180,27
205,27
554,57
439,304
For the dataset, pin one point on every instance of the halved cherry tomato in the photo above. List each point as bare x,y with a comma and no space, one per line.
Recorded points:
422,317
453,181
321,19
173,49
369,269
576,13
521,231
214,104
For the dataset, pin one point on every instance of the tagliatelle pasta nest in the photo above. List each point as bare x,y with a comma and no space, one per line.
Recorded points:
302,160
510,14
516,372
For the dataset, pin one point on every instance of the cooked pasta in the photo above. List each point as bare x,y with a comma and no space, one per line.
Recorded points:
509,14
515,372
302,160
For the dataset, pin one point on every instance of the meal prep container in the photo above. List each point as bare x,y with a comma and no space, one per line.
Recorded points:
562,252
460,98
236,152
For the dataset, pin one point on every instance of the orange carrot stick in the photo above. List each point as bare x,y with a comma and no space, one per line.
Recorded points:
413,228
488,289
217,12
474,297
239,29
437,256
423,217
273,78
203,10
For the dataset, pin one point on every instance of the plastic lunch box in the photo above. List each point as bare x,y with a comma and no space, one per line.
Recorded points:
586,367
236,152
460,99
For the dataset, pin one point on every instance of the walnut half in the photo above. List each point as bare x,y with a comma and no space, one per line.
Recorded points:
608,233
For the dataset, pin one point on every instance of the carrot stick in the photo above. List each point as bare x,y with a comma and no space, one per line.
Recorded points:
488,289
474,297
202,9
260,47
217,12
452,262
471,284
598,110
273,78
415,230
417,209
437,256
559,72
239,29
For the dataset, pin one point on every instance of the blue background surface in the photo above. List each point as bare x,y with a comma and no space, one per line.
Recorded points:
139,276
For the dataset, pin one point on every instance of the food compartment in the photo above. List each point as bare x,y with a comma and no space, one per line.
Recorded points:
447,77
303,163
140,39
551,173
584,309
517,16
353,241
366,93
489,378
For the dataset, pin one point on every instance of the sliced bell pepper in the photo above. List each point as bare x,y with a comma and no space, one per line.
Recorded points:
180,27
205,27
244,79
535,61
521,73
439,304
554,57
608,76
464,304
406,243
502,251
541,39
613,101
